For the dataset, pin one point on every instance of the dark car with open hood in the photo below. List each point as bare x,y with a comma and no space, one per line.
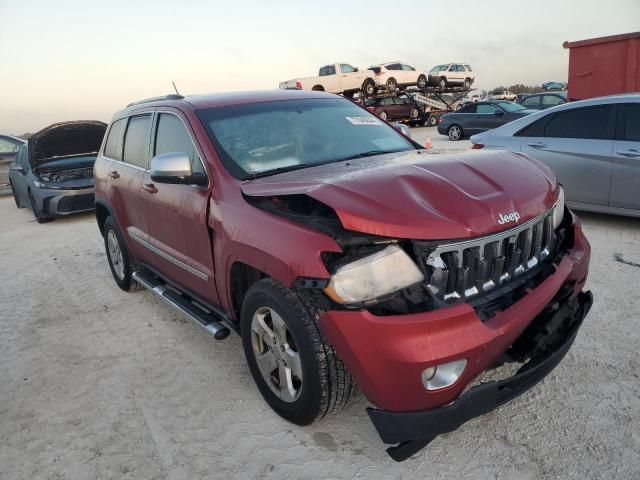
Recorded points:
344,253
53,172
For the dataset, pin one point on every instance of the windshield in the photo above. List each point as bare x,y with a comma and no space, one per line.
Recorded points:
511,107
438,68
269,137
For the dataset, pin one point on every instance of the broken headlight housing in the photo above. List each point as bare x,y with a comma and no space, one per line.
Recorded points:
558,209
373,276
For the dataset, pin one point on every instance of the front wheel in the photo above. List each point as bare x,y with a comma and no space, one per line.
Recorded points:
414,114
40,218
467,84
422,81
295,369
442,83
392,85
455,133
383,116
369,88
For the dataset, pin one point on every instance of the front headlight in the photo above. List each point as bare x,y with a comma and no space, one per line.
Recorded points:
373,276
558,209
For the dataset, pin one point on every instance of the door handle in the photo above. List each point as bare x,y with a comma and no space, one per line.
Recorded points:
631,153
537,145
149,187
114,174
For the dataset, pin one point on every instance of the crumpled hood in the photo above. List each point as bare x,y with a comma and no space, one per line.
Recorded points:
419,195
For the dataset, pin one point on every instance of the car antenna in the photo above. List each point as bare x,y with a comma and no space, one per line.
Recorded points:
175,88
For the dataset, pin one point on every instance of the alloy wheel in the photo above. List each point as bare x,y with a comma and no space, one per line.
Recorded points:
455,133
276,354
115,254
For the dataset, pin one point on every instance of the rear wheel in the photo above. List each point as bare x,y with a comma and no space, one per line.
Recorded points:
40,217
120,261
318,88
442,83
369,88
422,81
455,133
414,114
294,367
433,121
392,85
467,83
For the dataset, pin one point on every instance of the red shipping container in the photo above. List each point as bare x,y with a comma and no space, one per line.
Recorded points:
604,66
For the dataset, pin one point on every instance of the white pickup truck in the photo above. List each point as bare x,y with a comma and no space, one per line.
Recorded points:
337,78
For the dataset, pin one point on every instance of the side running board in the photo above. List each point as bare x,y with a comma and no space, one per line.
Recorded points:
204,319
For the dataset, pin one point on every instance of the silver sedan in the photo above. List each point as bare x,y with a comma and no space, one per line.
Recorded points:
592,146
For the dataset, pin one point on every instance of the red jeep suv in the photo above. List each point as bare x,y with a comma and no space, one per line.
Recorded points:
343,253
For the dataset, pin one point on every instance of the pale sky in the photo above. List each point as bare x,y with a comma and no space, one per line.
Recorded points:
72,59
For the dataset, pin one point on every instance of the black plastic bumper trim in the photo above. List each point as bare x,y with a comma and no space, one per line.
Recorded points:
414,430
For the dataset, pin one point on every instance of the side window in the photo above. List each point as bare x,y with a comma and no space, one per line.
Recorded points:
8,147
531,102
23,158
393,66
551,100
587,123
136,141
486,108
631,116
387,101
407,68
328,70
468,109
345,68
172,136
452,68
113,147
536,129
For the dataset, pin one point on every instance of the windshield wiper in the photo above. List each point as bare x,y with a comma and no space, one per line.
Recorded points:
370,153
273,171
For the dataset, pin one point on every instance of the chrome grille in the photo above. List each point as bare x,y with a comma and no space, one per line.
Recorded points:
459,271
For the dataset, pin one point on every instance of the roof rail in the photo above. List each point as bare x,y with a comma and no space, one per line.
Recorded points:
171,96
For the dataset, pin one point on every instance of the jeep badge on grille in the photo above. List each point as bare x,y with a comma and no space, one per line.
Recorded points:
508,218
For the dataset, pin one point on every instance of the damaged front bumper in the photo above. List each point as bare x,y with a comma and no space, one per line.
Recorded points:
414,430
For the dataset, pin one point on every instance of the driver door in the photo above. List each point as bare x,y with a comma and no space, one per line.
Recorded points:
350,78
178,224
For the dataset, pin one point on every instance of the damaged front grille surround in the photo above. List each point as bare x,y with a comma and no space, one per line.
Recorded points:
464,270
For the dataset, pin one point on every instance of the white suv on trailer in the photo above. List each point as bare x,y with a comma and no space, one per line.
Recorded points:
394,74
451,74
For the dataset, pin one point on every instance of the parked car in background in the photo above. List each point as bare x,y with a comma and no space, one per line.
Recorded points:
554,86
317,232
337,78
451,74
9,146
541,101
53,172
400,107
503,95
592,146
477,117
397,74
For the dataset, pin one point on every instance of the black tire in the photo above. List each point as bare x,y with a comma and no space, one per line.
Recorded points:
414,114
467,84
369,88
327,385
432,121
383,115
455,133
392,85
422,81
125,282
40,217
442,83
15,195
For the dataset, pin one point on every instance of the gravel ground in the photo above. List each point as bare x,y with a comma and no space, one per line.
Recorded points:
97,383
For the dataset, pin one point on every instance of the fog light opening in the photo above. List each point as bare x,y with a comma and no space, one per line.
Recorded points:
445,375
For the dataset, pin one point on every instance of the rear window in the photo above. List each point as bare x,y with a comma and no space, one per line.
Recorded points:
136,141
631,114
113,146
328,70
261,138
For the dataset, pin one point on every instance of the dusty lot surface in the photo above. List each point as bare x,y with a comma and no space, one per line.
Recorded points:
97,383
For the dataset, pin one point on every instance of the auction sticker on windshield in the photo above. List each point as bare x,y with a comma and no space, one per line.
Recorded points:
363,121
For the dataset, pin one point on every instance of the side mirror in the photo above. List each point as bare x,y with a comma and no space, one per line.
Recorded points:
17,168
403,129
174,167
356,69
